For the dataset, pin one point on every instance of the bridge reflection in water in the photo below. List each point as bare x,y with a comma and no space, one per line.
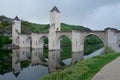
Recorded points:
35,57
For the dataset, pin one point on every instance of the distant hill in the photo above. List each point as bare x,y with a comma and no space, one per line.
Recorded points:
27,27
4,18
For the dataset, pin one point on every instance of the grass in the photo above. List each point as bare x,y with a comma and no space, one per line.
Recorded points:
83,70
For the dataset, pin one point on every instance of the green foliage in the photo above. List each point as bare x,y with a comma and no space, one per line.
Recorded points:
45,52
46,40
5,61
65,48
37,28
66,52
65,41
32,27
91,44
83,70
5,23
0,26
5,27
4,40
25,64
67,27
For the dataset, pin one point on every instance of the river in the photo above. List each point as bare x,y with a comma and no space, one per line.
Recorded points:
27,64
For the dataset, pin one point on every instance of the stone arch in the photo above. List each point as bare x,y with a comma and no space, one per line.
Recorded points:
84,39
29,41
28,38
41,39
61,36
97,35
59,39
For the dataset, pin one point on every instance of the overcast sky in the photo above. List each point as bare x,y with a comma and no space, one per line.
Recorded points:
94,14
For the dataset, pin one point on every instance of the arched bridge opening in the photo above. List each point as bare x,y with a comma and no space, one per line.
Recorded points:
29,41
43,41
91,43
64,42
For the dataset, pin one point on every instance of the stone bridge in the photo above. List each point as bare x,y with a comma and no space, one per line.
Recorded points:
110,36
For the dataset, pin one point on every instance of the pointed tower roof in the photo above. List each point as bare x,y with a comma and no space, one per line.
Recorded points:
16,18
55,9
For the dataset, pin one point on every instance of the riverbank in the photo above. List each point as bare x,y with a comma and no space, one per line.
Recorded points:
111,70
83,70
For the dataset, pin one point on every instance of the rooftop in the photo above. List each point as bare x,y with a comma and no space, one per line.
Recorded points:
16,18
55,9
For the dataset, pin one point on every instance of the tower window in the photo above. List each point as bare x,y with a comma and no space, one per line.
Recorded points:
57,29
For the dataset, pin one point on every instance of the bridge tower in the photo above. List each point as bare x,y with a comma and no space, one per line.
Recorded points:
16,29
54,27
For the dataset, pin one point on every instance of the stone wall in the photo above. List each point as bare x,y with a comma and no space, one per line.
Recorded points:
25,40
38,40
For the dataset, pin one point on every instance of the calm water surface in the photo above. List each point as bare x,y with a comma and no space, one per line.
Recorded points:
27,64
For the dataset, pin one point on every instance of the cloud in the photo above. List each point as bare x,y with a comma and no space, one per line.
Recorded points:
95,14
105,16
